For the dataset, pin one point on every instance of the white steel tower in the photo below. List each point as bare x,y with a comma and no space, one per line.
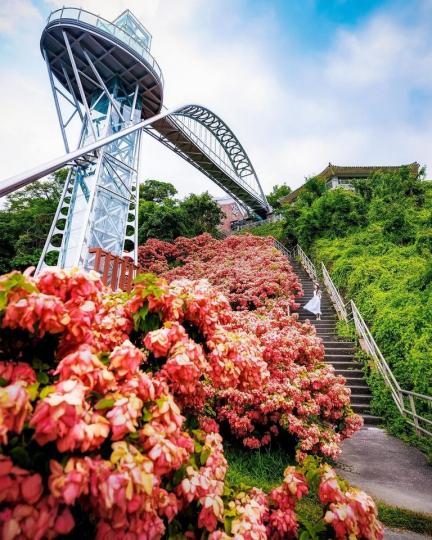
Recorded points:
104,73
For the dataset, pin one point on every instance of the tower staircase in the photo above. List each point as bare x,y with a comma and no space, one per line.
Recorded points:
338,352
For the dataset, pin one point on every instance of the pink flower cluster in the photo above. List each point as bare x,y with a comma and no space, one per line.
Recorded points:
287,384
104,390
349,513
246,269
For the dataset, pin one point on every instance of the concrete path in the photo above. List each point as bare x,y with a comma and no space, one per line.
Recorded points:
398,534
388,469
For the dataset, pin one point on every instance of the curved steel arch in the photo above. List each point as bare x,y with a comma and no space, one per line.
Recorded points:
214,150
225,136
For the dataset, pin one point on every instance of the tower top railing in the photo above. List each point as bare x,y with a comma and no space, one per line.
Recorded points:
79,14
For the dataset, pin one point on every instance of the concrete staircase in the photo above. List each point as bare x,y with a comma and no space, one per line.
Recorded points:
338,352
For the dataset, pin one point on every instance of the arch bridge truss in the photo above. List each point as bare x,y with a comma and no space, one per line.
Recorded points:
193,132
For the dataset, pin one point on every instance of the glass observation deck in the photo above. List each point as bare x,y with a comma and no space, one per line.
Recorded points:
126,28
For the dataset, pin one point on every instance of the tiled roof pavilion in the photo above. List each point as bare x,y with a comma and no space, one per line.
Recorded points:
348,172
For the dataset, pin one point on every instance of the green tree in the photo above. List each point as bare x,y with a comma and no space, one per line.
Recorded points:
164,221
25,222
164,217
311,190
276,193
156,191
332,214
202,214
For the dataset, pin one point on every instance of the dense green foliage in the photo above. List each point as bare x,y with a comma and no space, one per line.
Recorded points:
27,215
318,212
268,229
163,217
25,221
377,244
276,193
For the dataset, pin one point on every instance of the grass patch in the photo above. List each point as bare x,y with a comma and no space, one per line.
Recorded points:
400,518
346,331
262,468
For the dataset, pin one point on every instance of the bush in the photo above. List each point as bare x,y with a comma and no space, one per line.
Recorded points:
333,214
106,417
376,244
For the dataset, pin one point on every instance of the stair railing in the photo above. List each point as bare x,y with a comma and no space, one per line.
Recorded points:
406,401
334,294
282,248
307,264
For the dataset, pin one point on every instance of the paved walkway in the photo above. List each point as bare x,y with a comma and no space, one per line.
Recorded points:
388,469
398,534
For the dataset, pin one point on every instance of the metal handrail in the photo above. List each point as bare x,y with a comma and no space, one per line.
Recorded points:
334,294
406,401
282,248
109,27
307,264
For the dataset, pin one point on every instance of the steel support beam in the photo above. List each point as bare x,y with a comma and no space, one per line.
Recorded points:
79,83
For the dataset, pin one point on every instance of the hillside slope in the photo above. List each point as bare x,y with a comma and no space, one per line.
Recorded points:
377,244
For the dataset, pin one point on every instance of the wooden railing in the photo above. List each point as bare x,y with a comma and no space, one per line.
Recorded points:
116,272
411,405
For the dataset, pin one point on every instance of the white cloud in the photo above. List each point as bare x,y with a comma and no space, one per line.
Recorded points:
14,14
351,104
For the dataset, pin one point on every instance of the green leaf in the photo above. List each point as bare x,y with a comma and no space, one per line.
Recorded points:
228,520
204,455
104,403
160,402
42,377
20,456
3,382
146,415
32,390
179,475
304,535
104,358
14,280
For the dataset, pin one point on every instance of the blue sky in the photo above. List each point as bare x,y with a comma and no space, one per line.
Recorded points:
301,82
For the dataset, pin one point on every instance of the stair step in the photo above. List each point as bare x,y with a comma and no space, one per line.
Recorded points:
324,318
361,408
343,347
371,420
342,365
350,373
357,385
326,337
339,350
360,399
340,356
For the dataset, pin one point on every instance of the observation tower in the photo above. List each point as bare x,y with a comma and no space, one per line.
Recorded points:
104,73
104,78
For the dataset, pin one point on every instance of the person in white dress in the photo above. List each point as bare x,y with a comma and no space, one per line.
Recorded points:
314,304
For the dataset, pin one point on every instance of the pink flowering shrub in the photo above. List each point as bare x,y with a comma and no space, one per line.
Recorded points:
110,405
297,392
246,269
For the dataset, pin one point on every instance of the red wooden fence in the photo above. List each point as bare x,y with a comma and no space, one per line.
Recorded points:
116,272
